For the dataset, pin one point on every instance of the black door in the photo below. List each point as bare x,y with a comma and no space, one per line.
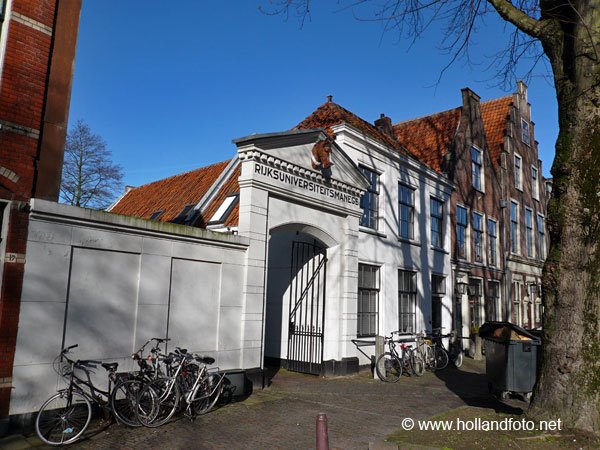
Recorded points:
307,308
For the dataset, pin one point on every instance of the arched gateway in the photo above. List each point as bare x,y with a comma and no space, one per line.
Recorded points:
303,227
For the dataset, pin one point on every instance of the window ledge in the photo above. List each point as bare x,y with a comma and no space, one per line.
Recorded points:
439,249
372,231
409,241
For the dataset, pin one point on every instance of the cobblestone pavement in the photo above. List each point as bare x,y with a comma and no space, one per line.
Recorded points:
360,411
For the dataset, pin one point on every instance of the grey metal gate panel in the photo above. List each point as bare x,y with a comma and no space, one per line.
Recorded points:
307,308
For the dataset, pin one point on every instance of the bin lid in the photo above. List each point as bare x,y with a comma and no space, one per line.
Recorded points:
505,332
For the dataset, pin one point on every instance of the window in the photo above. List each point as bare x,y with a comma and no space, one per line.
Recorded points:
541,237
525,136
478,237
461,231
514,227
493,306
407,211
516,293
370,200
407,301
221,214
476,169
156,214
368,300
492,242
535,185
437,221
475,303
529,232
518,172
438,291
184,213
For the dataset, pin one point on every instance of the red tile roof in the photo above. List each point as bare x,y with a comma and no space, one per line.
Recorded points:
330,114
429,137
495,114
169,195
229,187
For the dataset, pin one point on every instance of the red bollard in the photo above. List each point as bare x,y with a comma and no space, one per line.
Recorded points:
322,433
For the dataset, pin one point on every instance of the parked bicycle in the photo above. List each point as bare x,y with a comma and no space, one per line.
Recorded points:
124,394
65,416
434,356
191,385
390,365
455,353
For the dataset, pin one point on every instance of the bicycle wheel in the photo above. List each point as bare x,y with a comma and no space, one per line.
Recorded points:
123,401
417,364
157,401
63,418
458,359
388,367
208,394
441,358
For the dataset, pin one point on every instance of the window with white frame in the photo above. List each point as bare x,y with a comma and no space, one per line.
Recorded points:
406,208
462,223
477,237
477,168
437,222
492,243
541,241
518,172
529,232
407,301
516,295
369,202
493,305
525,134
368,300
535,184
514,227
475,291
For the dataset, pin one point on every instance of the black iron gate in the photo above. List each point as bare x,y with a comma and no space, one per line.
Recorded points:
307,308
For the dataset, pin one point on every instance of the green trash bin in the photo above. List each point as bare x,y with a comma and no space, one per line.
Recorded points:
510,358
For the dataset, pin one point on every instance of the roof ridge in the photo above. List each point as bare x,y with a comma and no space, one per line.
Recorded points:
426,116
181,174
449,110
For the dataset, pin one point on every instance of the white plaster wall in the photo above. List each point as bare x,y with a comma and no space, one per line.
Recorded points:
109,283
384,248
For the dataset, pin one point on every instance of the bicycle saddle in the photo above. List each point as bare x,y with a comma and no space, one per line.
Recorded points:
110,366
205,359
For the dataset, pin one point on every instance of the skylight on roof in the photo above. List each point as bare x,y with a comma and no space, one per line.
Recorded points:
156,214
184,213
224,210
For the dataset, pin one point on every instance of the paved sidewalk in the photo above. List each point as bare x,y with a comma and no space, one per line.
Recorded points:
361,412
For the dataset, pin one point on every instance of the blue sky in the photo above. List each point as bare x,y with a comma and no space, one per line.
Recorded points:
168,85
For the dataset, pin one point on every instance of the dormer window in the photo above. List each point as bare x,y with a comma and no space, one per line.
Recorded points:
224,210
525,136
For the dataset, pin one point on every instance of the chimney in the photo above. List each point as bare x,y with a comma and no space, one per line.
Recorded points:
469,97
384,124
329,98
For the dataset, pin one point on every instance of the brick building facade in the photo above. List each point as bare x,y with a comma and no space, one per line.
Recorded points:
37,50
499,242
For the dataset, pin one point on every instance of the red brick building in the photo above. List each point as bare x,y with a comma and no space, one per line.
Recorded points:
37,51
498,245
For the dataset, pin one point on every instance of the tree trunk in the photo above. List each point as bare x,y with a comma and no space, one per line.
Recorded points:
569,383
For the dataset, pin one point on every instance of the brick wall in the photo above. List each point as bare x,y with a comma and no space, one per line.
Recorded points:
25,72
